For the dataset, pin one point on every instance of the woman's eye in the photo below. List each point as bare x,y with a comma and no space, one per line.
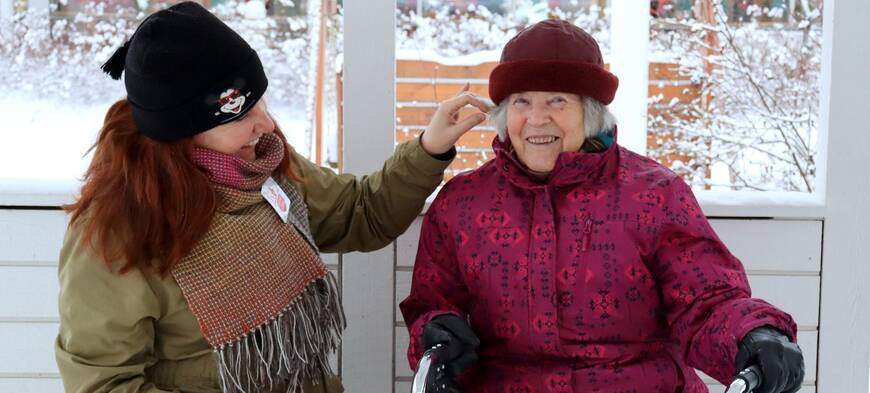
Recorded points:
520,101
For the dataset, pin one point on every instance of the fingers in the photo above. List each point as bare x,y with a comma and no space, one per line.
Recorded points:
793,385
464,88
797,372
460,329
773,378
457,367
484,104
442,383
446,125
781,361
465,98
742,361
467,123
433,335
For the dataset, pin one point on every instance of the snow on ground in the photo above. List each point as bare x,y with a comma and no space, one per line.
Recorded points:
45,139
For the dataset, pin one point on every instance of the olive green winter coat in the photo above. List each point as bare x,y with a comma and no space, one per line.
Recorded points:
134,332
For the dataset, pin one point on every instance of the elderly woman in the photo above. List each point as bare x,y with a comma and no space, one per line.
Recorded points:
570,264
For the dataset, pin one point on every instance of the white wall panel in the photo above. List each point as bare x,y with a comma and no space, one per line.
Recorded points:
796,295
773,245
31,236
29,292
31,384
28,348
406,245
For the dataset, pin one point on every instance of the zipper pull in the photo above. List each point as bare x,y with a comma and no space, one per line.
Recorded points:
587,232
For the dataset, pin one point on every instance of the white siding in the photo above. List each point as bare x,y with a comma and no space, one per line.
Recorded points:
31,237
30,384
782,257
28,348
29,244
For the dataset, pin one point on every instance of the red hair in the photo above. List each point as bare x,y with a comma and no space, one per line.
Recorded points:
145,202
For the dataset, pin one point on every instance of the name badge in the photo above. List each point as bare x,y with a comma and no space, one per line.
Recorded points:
277,198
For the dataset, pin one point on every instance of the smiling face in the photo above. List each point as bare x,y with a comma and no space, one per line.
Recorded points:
543,124
238,137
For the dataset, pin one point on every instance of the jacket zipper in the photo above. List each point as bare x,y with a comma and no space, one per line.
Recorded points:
587,232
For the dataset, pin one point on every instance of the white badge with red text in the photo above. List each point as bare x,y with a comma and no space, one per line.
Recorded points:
277,198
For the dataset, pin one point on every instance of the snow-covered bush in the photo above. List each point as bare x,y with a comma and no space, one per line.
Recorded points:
758,110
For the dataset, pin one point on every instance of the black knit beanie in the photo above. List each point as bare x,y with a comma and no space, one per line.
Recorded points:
186,72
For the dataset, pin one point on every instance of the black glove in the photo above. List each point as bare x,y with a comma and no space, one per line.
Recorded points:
781,361
454,333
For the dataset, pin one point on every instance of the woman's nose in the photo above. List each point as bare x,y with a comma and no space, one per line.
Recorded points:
538,115
264,123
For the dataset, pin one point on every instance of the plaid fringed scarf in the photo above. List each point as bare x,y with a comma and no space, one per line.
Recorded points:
263,297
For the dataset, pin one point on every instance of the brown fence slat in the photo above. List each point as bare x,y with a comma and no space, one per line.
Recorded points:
665,72
684,94
427,92
429,69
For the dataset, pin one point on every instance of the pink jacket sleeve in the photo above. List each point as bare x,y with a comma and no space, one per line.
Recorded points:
706,294
437,287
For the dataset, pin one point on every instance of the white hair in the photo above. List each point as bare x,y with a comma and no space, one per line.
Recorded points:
596,118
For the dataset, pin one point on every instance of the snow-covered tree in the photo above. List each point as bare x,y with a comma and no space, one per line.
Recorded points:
758,108
48,55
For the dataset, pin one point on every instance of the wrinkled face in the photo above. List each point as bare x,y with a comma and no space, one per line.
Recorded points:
238,137
542,124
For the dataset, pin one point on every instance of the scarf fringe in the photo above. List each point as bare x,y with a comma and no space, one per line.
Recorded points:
289,350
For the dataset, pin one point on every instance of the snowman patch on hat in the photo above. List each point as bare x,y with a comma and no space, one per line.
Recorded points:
231,101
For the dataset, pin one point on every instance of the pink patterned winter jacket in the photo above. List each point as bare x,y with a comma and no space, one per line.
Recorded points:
606,277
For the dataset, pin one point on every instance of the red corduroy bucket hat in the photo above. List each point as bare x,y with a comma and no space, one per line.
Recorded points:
552,55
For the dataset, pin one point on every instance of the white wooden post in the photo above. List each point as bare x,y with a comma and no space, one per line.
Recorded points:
844,331
315,71
369,123
629,45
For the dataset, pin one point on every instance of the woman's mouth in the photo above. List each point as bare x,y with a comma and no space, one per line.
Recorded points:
542,140
252,143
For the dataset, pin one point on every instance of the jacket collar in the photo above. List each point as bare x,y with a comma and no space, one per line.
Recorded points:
584,166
